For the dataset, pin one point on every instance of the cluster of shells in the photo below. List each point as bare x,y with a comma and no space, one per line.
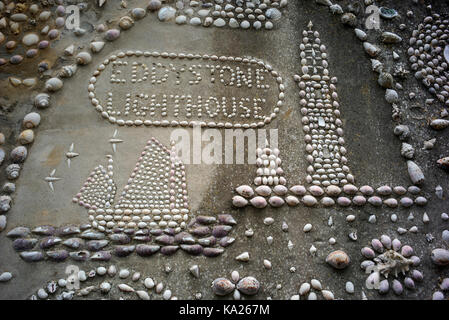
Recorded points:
256,14
348,195
206,235
429,55
248,286
308,291
154,197
113,117
386,257
103,280
28,24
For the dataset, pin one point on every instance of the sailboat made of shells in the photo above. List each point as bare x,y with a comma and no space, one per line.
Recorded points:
155,195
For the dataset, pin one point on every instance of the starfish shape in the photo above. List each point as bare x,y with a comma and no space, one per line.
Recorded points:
114,141
71,154
51,178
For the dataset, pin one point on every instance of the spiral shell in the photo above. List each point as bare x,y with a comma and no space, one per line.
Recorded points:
42,100
19,154
83,58
67,71
12,171
53,84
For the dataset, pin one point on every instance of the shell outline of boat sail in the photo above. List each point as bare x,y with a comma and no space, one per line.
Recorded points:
155,195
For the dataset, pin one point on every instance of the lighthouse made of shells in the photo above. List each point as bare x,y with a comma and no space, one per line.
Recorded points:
321,115
155,195
270,182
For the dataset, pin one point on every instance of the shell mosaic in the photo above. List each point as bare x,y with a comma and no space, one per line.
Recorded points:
257,15
133,88
127,98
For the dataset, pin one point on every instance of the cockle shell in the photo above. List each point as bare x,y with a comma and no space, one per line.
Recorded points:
338,259
249,286
222,286
239,201
245,191
31,120
53,84
42,100
83,58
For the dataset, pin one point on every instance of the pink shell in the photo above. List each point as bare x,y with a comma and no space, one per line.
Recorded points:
258,202
344,201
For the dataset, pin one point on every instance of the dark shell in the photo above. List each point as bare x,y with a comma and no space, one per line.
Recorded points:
221,231
21,244
82,255
222,286
92,235
227,219
156,232
194,249
165,239
67,231
169,231
129,231
123,251
142,238
16,59
185,238
209,241
169,250
101,256
226,241
212,252
249,286
146,250
58,255
44,230
74,243
32,256
31,53
85,226
120,238
49,242
96,245
206,219
200,231
17,232
44,44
